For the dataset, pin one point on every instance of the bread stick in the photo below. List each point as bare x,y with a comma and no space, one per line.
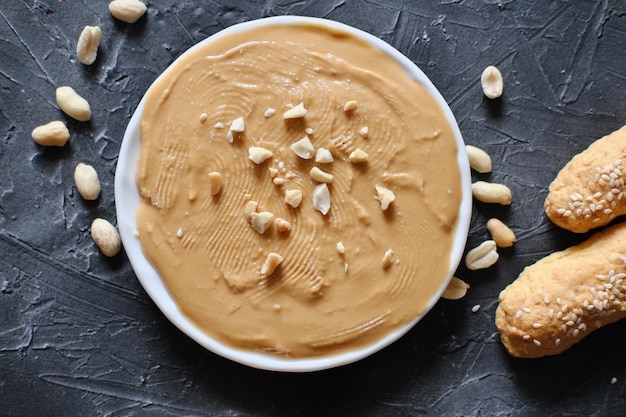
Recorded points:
590,191
563,297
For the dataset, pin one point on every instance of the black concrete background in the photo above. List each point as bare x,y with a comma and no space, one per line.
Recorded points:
80,337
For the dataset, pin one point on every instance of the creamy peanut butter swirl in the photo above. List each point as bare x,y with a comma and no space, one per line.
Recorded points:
318,299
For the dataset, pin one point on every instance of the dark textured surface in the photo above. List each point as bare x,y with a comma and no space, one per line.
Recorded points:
79,336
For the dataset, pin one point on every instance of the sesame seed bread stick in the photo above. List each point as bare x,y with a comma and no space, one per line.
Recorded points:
590,191
563,297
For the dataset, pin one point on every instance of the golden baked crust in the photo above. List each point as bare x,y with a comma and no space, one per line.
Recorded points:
563,297
590,190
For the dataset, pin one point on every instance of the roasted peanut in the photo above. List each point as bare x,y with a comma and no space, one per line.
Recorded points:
296,112
52,134
500,233
87,182
128,11
106,237
482,256
489,192
87,46
491,81
455,290
479,160
72,104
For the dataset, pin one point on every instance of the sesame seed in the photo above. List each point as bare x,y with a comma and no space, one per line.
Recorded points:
557,342
518,314
526,309
536,342
476,308
576,332
526,337
613,381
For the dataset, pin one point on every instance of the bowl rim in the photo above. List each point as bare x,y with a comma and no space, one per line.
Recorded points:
127,200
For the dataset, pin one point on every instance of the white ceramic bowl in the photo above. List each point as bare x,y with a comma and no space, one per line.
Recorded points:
127,201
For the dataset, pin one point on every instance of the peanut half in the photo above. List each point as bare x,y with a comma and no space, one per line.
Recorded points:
128,11
479,160
52,134
72,104
106,237
87,181
489,192
491,81
482,256
455,290
87,46
500,233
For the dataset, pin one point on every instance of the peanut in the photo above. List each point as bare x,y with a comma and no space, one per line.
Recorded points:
500,233
321,176
106,237
216,183
271,263
303,148
128,11
87,182
479,160
258,155
321,198
293,198
387,259
358,156
350,105
385,196
491,81
261,221
482,256
87,46
323,156
72,104
488,192
456,289
52,134
296,112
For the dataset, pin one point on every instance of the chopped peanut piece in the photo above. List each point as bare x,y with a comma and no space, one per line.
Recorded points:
237,125
358,156
251,207
385,196
219,125
303,148
387,258
258,155
261,221
282,225
269,112
216,182
278,181
203,117
341,249
271,263
273,172
229,136
308,130
350,105
364,131
296,112
321,176
293,198
321,198
323,156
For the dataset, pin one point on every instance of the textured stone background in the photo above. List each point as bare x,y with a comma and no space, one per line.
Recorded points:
79,336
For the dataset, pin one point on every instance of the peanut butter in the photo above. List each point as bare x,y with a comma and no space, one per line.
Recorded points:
235,270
